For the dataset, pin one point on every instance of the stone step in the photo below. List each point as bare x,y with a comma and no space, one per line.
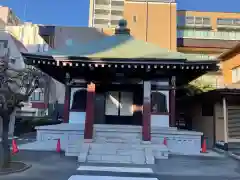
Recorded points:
118,128
117,134
118,169
117,139
122,153
109,158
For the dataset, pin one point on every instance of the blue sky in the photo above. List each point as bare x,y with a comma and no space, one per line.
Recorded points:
75,12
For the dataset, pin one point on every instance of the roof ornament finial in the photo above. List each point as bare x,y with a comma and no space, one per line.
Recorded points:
122,28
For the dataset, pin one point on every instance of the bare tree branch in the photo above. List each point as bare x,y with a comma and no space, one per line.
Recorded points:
16,85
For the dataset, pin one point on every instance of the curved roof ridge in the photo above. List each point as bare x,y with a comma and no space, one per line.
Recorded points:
118,46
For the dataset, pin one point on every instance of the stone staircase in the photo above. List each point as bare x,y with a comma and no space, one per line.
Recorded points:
120,144
121,153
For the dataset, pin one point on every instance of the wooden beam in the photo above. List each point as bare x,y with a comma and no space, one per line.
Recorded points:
225,120
146,131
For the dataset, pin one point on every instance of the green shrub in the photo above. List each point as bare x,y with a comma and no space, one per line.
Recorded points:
28,124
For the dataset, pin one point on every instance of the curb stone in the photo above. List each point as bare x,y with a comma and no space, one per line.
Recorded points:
227,153
26,167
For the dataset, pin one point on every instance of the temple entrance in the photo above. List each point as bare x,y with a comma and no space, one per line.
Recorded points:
119,107
117,104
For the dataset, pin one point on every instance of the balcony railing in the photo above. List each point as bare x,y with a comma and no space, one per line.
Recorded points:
203,56
228,23
101,16
208,35
194,22
118,8
98,6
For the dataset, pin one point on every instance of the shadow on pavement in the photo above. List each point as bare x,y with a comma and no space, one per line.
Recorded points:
36,156
45,166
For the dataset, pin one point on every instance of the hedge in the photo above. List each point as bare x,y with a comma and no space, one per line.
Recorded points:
28,125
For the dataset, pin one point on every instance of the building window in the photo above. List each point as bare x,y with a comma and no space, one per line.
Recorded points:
160,101
206,20
223,21
117,3
102,2
236,21
198,20
134,18
116,13
236,74
37,95
228,21
189,20
192,20
207,109
114,22
101,21
101,12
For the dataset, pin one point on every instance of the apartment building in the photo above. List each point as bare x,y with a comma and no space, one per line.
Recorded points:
105,13
204,34
207,33
28,34
26,37
153,21
7,17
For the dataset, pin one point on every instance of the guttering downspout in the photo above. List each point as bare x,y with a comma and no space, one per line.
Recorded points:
170,25
146,35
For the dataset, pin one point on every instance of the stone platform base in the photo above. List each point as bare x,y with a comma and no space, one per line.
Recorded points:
116,143
122,153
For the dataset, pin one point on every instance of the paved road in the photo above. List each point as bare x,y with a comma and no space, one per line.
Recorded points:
209,167
49,165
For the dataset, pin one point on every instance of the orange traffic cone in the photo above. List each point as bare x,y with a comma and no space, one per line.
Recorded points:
204,146
165,141
14,147
58,148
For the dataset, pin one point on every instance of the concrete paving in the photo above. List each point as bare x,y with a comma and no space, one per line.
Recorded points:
209,153
45,166
198,166
50,165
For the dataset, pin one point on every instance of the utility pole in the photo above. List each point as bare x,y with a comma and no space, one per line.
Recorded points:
25,10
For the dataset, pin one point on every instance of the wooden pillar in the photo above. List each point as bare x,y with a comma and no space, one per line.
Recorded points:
225,120
88,132
172,122
66,105
67,99
146,129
